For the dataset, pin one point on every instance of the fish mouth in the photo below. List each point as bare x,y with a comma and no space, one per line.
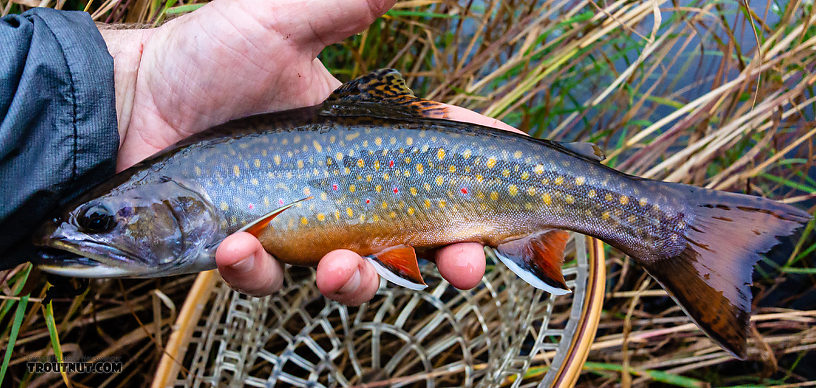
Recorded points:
65,258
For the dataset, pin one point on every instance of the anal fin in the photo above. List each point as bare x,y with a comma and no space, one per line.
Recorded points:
399,265
537,259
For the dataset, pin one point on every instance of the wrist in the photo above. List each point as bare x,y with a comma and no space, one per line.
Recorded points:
125,46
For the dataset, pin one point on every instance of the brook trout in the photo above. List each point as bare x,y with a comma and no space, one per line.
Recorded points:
376,170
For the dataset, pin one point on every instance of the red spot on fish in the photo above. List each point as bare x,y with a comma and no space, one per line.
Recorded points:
280,201
396,190
368,201
464,190
390,163
251,206
334,187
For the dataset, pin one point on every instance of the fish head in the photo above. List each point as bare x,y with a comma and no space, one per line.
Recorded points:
138,230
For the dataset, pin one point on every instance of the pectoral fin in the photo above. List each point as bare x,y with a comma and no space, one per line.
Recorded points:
399,265
256,227
537,259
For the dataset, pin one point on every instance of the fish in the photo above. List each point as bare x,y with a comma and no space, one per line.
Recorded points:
379,171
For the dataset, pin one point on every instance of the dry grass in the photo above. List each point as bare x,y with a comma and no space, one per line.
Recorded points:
673,90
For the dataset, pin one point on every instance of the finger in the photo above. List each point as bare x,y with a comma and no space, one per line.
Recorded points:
247,267
458,113
344,276
462,264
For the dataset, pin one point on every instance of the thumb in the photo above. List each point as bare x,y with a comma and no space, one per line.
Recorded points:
315,24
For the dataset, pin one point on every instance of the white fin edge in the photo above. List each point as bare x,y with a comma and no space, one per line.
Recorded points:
526,275
394,278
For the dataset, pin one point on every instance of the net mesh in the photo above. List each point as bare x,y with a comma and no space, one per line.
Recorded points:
440,337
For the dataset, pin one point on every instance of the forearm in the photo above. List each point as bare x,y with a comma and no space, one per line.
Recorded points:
125,46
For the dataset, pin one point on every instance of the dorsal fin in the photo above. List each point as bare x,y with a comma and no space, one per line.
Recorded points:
590,150
380,93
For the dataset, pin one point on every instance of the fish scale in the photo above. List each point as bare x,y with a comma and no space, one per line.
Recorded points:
376,170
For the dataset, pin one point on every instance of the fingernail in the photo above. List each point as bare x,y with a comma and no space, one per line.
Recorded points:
244,265
352,284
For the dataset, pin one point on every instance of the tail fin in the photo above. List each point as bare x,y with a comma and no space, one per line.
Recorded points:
711,277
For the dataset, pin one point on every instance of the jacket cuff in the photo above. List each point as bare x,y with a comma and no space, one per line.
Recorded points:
90,68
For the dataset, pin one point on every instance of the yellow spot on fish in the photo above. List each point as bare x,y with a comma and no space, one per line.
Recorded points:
608,197
297,139
378,141
606,215
505,173
266,201
525,175
321,217
336,214
631,219
580,181
452,169
386,176
365,143
317,147
420,169
346,170
439,180
352,188
224,206
236,170
299,164
413,191
513,190
442,203
375,217
538,169
263,153
304,221
384,205
409,141
369,178
491,162
277,159
410,211
360,163
517,154
338,156
569,199
378,188
392,140
546,198
349,212
479,178
467,154
323,196
531,191
197,170
392,214
494,195
407,160
352,136
624,200
440,154
591,193
559,180
427,204
253,181
588,212
545,181
643,201
427,187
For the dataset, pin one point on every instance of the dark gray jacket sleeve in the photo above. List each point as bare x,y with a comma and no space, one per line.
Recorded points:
58,132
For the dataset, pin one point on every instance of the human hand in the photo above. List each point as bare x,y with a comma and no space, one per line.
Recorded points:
232,59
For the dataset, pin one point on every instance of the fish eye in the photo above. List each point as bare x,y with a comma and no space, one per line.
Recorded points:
96,219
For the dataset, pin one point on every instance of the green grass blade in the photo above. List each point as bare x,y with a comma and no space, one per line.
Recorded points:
656,375
48,312
15,330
